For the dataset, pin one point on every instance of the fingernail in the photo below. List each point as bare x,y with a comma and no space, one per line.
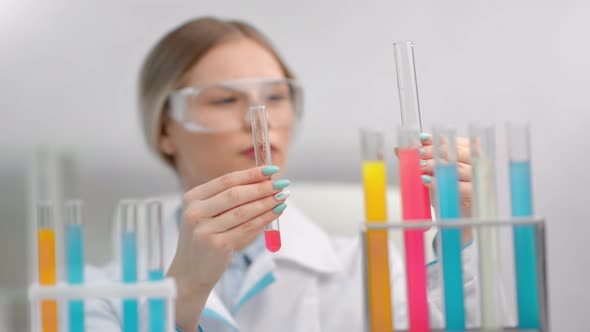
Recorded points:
423,163
280,208
422,151
281,184
426,179
270,170
424,137
282,195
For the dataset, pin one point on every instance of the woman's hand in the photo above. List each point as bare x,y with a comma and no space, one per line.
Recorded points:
220,216
463,170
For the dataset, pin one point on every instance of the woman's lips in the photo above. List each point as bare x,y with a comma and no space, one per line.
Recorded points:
249,152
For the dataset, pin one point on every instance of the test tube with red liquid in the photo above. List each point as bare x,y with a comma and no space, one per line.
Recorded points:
262,150
414,195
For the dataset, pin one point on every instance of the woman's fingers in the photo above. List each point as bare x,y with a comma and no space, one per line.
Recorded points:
465,191
426,139
240,195
463,170
220,184
427,152
247,231
240,214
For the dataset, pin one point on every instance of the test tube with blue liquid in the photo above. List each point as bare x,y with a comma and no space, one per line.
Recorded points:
448,198
74,260
155,261
128,214
527,287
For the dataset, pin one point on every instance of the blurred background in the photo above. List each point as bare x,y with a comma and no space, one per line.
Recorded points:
69,69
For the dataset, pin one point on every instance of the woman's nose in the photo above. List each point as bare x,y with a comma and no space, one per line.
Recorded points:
247,121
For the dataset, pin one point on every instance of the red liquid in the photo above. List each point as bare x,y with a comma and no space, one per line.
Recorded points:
415,206
273,240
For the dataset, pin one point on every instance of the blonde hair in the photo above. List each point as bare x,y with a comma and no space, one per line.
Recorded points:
174,55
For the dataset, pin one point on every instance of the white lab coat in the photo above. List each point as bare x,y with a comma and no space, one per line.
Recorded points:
314,283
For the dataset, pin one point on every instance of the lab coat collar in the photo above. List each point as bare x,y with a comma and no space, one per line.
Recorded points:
258,277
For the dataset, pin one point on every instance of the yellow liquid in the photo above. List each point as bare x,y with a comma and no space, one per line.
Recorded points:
47,276
375,185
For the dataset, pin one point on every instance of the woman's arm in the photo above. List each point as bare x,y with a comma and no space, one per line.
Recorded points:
220,216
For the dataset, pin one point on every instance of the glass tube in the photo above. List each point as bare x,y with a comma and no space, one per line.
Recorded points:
407,84
448,198
75,260
415,207
155,247
46,263
128,213
410,110
262,152
524,236
483,157
375,189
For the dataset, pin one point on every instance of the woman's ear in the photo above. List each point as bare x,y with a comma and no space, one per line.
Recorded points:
165,143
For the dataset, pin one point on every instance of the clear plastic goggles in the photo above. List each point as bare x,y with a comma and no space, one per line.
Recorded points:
224,106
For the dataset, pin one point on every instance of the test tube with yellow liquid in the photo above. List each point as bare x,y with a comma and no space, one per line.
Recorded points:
46,263
375,188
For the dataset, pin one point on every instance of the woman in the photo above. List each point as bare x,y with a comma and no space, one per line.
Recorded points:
195,88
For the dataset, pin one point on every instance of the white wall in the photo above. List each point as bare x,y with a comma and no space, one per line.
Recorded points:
68,71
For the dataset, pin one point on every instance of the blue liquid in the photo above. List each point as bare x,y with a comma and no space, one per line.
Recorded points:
524,246
75,273
157,307
129,268
449,208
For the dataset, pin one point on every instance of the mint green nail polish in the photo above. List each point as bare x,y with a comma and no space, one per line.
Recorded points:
424,137
281,184
282,195
270,170
426,179
423,163
422,151
280,208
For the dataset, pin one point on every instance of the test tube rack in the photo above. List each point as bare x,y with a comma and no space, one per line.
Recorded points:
540,235
165,289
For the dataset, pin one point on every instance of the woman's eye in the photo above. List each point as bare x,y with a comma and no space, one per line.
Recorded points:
276,97
224,101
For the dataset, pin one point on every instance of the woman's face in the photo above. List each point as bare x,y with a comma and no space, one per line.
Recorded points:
200,157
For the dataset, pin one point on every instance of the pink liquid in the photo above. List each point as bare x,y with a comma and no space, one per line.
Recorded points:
273,240
415,206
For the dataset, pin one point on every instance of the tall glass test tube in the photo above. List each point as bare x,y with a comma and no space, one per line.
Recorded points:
128,213
46,263
527,288
447,188
413,197
483,156
409,104
407,84
155,261
375,188
262,152
75,260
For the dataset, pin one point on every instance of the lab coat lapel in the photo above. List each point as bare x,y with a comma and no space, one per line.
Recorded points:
259,276
306,244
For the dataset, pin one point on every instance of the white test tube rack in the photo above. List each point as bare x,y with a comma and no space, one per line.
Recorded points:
165,289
